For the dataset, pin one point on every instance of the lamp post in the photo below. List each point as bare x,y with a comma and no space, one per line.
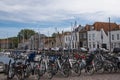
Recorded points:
101,39
7,42
109,34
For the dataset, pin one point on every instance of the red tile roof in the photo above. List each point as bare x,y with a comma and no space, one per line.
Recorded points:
102,25
105,26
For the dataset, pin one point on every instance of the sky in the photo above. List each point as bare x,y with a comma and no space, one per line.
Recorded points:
48,16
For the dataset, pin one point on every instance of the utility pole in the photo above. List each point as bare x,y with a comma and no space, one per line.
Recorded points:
48,41
101,39
109,34
75,31
71,41
18,40
23,36
39,40
0,43
56,39
7,42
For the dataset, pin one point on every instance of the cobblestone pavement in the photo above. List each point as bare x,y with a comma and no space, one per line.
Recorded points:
97,76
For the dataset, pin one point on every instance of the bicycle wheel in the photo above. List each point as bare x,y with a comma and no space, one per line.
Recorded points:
66,70
27,70
37,74
90,70
11,72
49,72
76,69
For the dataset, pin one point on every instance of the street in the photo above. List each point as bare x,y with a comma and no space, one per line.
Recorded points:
96,76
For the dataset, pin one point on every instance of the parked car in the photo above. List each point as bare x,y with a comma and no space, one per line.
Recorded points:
4,60
2,67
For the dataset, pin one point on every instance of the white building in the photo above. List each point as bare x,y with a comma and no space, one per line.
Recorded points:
67,40
115,39
75,37
35,41
98,39
74,40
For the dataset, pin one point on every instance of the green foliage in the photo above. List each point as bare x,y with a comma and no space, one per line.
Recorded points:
25,33
54,34
14,42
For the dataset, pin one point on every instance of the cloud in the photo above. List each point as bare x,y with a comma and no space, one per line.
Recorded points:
58,10
48,14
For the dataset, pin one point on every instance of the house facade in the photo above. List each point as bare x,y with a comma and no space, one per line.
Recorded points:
67,40
75,37
60,43
49,42
98,35
115,39
33,43
83,37
97,39
6,44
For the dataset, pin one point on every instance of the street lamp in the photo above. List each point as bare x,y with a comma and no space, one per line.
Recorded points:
109,34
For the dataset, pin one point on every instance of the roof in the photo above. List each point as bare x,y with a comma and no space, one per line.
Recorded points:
66,33
105,26
77,29
86,28
48,39
101,25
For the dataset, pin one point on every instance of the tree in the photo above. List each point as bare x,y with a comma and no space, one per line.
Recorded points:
25,34
14,42
54,34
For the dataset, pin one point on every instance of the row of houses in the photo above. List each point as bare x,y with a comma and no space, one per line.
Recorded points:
98,35
8,43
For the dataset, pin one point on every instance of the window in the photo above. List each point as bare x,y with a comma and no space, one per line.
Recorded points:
73,37
93,36
93,45
112,37
66,38
75,45
80,36
84,35
69,38
118,44
84,43
89,44
118,37
76,37
89,36
114,44
72,45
